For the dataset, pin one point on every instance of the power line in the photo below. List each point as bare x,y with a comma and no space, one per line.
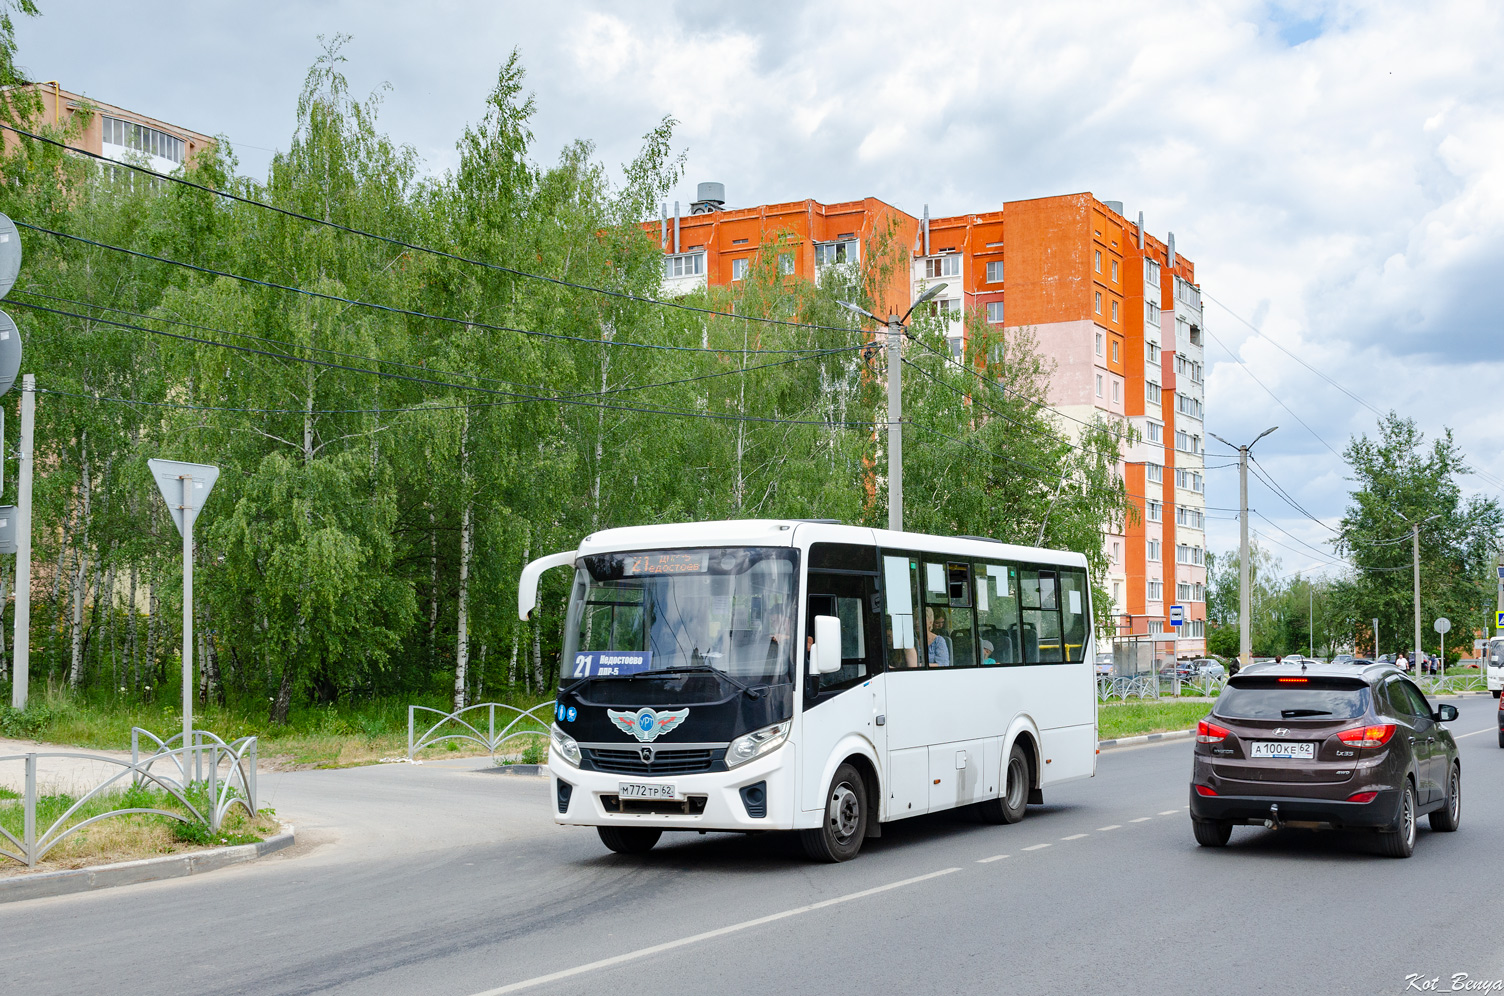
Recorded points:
1263,475
574,401
407,312
1249,371
557,281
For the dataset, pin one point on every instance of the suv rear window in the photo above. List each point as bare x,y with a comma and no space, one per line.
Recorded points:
1267,698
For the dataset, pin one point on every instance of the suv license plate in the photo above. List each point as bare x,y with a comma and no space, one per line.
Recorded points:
1284,749
648,790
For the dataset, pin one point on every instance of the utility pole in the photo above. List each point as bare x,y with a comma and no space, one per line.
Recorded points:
21,645
1311,608
1375,639
1245,612
895,326
1415,550
895,423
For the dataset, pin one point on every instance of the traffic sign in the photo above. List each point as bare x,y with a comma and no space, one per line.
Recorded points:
1177,615
1501,572
1499,622
1442,625
171,477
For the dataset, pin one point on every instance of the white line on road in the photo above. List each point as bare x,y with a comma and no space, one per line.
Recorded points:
987,861
1115,826
1170,812
1141,819
1036,847
707,935
1074,836
1473,734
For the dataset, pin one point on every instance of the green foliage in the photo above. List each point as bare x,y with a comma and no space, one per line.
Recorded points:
29,723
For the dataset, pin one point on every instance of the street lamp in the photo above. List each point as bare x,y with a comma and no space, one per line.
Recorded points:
895,400
1415,555
1245,614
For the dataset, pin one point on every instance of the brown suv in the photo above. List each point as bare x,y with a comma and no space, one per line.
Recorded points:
1325,746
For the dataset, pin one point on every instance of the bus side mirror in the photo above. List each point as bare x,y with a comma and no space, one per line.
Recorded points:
826,655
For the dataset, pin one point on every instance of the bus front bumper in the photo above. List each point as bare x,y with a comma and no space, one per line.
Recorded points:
717,800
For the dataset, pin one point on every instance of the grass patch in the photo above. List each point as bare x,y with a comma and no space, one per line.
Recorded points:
1132,719
314,736
129,837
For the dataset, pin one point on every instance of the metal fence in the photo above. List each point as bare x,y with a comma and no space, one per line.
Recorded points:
1155,684
1452,683
518,723
204,757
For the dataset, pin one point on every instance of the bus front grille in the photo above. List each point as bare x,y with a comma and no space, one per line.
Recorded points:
665,762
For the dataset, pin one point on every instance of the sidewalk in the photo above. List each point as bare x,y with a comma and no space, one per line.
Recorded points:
70,775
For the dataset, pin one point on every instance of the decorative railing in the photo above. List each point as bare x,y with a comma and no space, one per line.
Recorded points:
522,723
236,787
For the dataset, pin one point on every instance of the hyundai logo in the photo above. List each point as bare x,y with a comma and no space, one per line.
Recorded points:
1280,731
647,754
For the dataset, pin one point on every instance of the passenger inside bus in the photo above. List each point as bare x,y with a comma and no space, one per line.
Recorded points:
937,644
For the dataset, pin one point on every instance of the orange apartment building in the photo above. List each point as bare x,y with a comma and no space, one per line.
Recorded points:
1116,310
116,133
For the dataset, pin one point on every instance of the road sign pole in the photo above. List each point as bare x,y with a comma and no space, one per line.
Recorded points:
187,480
21,645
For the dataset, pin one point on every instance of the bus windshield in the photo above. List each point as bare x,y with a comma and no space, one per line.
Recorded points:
730,609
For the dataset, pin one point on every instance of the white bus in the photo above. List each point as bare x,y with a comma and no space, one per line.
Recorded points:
801,675
1493,663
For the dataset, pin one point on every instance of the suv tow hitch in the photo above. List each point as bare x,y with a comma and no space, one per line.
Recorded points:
1273,821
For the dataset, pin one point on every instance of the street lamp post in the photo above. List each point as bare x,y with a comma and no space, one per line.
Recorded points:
1415,558
1245,614
895,327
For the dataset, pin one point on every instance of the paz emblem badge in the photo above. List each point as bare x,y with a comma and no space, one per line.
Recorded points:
646,724
647,754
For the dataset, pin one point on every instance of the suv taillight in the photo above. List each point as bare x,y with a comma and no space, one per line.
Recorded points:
1367,736
1210,733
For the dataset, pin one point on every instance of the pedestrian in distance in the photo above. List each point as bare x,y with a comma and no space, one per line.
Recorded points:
1401,662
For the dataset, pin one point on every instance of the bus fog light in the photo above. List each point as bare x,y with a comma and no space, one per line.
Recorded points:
566,747
757,743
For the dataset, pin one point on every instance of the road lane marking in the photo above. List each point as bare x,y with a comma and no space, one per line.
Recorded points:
1115,826
1170,812
1074,836
995,857
1141,819
1036,847
1459,736
707,935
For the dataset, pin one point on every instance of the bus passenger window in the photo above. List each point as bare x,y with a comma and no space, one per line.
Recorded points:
997,613
1076,619
963,644
900,605
1041,617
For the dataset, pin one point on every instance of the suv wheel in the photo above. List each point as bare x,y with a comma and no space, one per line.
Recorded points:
1448,816
840,834
1212,833
1399,840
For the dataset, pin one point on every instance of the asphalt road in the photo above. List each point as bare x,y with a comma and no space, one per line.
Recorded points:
445,880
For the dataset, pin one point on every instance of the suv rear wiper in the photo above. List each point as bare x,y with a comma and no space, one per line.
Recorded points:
1296,713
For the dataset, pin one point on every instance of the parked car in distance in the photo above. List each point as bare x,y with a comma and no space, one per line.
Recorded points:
1104,664
1501,722
1343,659
1325,747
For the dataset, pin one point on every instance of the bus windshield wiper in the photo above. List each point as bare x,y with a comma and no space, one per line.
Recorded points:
752,692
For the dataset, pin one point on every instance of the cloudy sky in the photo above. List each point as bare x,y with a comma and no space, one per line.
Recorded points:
1336,170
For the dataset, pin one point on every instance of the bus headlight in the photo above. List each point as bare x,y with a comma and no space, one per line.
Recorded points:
757,743
566,746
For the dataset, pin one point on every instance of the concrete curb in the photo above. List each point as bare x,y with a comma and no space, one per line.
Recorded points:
516,769
1146,738
38,885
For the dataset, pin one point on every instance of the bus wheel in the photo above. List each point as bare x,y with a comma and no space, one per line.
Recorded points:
629,840
840,834
1010,805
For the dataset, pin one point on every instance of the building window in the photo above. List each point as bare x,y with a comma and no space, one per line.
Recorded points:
1155,550
1155,511
1151,352
942,266
1156,590
1117,593
1117,390
1187,405
1156,432
690,264
957,346
1099,302
786,263
1192,517
995,272
139,138
949,308
1114,311
1151,314
1154,473
1151,392
995,312
1114,271
739,268
1100,340
827,253
1117,555
1099,261
1156,627
1099,385
1114,350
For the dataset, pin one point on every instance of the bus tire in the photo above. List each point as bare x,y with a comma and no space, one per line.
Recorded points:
839,836
629,840
1010,805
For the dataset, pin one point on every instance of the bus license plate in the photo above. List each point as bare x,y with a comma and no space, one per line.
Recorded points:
1284,749
648,790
